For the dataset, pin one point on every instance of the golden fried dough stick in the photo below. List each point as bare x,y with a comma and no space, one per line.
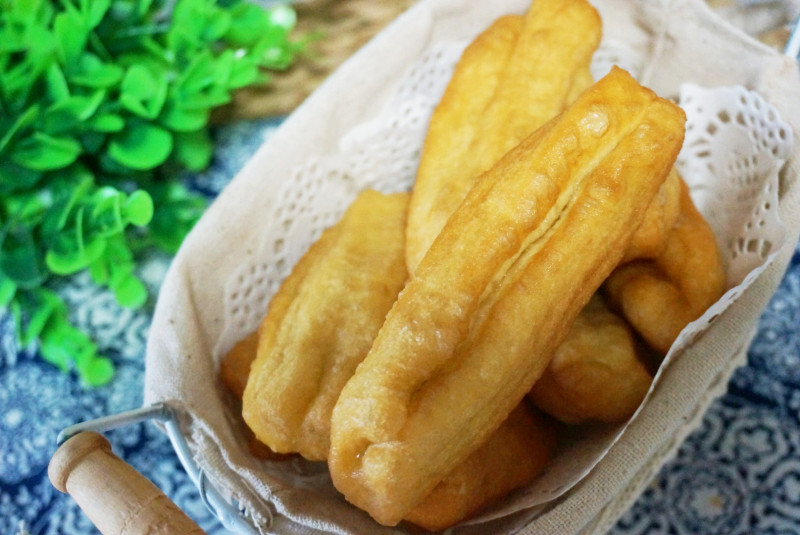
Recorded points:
235,366
650,237
513,457
321,324
595,374
513,78
496,293
660,297
233,371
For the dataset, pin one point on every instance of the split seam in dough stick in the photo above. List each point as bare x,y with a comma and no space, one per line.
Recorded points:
329,345
497,292
321,323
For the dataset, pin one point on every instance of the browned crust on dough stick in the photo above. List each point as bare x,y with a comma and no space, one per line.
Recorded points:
322,323
650,237
515,454
513,78
596,373
659,297
532,241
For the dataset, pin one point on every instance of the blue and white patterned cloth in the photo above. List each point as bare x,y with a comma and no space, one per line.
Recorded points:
739,473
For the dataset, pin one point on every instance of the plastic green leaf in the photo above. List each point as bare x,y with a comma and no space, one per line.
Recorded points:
20,258
117,268
57,86
62,261
42,152
65,114
121,10
91,71
106,122
80,106
248,25
15,177
65,346
177,211
196,22
94,11
100,272
93,141
180,119
244,72
36,306
211,98
216,26
16,84
198,75
105,214
194,149
155,54
71,251
97,93
97,372
7,290
67,190
141,146
144,7
143,91
113,210
222,67
138,208
130,292
25,209
71,31
25,119
59,345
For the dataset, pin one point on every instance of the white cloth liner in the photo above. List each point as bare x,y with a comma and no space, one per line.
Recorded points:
364,128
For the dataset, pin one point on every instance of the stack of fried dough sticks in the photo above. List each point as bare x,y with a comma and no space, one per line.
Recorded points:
429,345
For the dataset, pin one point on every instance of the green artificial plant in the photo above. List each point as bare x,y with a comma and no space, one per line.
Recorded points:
103,103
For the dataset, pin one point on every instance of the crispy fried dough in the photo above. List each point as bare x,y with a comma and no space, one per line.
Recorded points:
660,297
595,374
496,293
513,457
517,75
235,366
233,372
321,324
650,237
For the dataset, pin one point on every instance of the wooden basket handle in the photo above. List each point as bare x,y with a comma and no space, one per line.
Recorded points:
116,498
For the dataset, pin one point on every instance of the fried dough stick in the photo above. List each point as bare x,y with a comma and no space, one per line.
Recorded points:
321,323
660,297
650,237
596,373
513,456
235,366
517,75
233,373
496,293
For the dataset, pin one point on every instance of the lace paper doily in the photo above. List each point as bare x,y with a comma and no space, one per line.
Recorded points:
735,145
